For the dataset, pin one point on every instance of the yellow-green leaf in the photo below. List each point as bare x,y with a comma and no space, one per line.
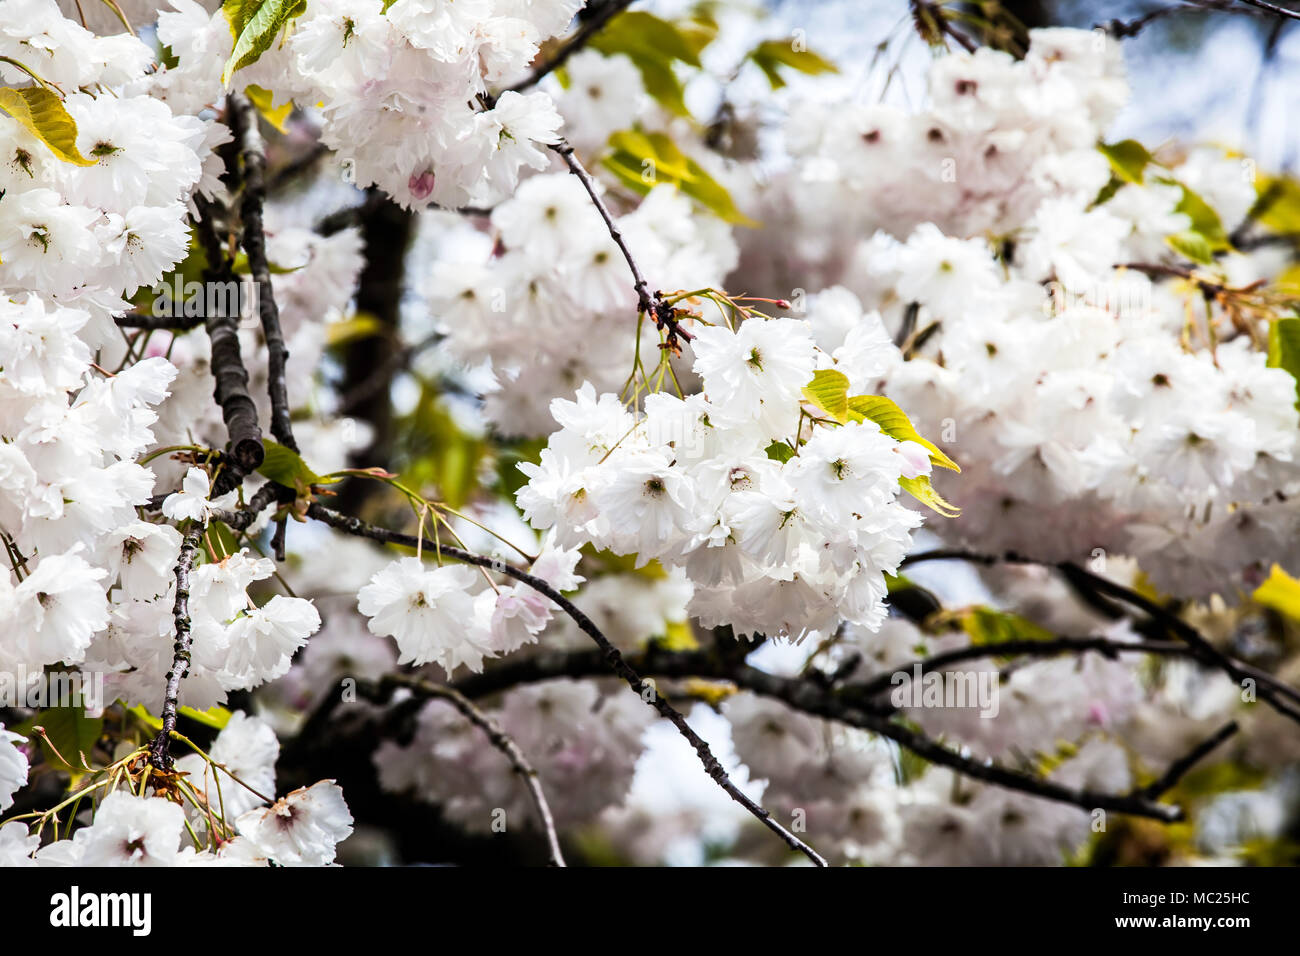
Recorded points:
146,718
893,421
1128,158
829,391
636,31
41,112
678,636
360,326
286,467
770,55
264,100
986,625
1281,592
215,716
1284,348
1193,245
921,489
643,160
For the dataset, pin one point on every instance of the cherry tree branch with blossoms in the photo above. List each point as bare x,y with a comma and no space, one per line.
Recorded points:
969,521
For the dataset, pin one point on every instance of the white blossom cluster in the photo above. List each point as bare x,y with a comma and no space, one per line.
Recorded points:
551,304
1095,409
584,742
773,546
998,136
440,614
302,829
398,86
89,234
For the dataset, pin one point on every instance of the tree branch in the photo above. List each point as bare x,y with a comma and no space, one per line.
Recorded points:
653,305
253,238
1275,692
593,17
237,407
160,750
1179,768
426,690
612,658
806,696
1032,648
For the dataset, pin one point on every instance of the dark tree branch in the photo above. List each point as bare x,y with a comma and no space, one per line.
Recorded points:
612,658
653,305
1179,768
1272,8
231,392
243,121
382,376
425,690
592,20
386,232
156,323
160,749
1030,648
808,697
1280,696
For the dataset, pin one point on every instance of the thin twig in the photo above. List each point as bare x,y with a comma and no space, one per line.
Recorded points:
500,740
1179,768
1272,8
1028,647
593,17
155,323
610,654
653,305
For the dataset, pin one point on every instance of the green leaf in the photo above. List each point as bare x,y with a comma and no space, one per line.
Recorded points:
921,489
363,325
829,391
769,55
286,467
636,31
654,45
1284,348
893,421
986,625
1281,592
1277,204
41,113
1204,218
434,450
1128,158
1206,235
1193,245
644,160
780,451
254,25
